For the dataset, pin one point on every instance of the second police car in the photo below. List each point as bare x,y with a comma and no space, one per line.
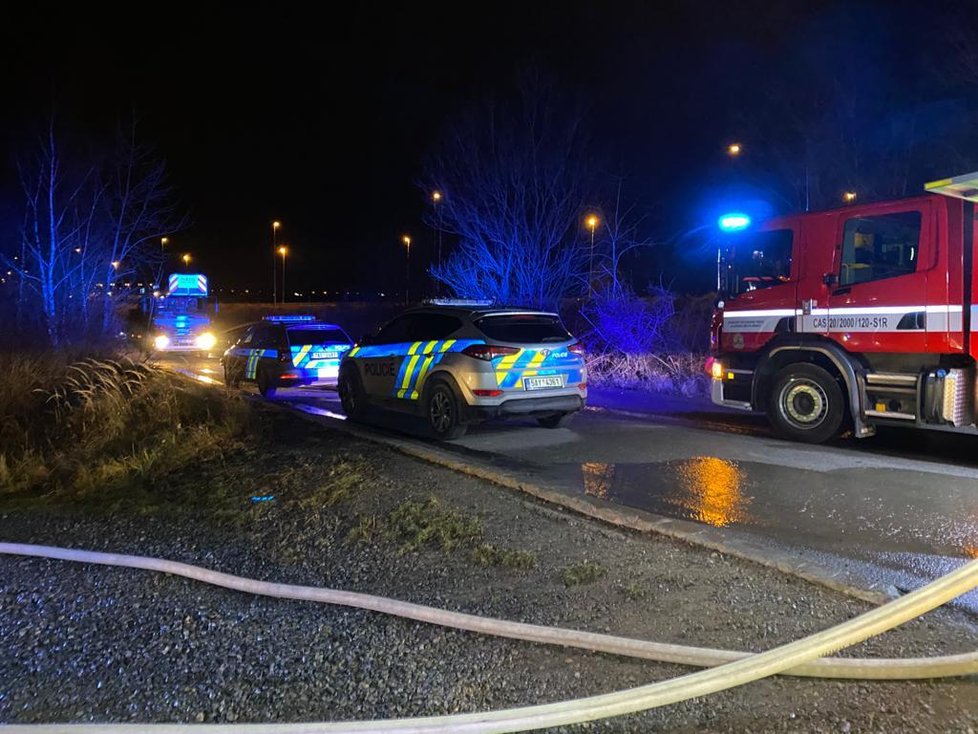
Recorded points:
458,364
285,351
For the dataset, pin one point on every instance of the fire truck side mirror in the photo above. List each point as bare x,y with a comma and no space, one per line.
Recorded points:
830,279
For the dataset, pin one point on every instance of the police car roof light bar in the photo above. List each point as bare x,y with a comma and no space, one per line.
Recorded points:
290,319
458,302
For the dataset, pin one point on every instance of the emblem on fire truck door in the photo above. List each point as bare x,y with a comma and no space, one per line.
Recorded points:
738,341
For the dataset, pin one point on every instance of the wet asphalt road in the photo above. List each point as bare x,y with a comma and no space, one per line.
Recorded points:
893,511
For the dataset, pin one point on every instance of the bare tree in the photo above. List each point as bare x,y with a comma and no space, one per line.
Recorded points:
83,231
620,236
60,203
140,207
512,178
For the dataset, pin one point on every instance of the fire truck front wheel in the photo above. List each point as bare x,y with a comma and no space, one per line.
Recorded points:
806,404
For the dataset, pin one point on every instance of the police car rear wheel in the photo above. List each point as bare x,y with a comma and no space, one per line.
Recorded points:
441,410
806,404
265,386
351,395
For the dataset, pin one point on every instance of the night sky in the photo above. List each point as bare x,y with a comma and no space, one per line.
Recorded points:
322,118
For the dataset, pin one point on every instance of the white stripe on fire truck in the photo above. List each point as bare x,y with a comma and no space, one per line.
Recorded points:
945,317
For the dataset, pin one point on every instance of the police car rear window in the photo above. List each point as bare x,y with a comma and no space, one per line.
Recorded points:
317,336
523,328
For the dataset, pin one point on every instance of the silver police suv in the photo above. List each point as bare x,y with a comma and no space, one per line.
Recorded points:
458,364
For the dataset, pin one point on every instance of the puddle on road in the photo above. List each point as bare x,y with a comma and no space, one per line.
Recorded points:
706,489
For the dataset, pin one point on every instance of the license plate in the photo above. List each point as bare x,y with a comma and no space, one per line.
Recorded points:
327,372
325,355
542,383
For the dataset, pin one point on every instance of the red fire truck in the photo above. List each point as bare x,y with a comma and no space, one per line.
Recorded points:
852,318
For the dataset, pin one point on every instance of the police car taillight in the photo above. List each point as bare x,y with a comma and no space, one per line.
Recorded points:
577,349
488,352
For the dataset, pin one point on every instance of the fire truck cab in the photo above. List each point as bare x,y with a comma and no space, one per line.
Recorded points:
853,318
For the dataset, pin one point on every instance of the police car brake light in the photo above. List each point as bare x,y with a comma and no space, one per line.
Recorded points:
291,319
488,352
576,348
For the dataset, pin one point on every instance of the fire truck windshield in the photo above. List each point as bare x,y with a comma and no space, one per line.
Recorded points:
754,260
180,304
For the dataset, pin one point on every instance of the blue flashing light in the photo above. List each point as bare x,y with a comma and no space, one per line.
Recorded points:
290,319
734,222
262,498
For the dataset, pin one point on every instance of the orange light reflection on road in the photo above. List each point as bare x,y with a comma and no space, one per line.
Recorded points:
598,478
713,489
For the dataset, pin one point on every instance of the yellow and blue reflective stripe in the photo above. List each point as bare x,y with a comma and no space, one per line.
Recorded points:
407,370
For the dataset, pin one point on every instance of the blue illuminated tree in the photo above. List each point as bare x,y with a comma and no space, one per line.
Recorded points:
513,177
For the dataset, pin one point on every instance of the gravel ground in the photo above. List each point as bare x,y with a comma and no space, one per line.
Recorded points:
92,644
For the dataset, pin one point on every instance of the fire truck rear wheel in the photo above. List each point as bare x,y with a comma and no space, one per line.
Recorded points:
806,404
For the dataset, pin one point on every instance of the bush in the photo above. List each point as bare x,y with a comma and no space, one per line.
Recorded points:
653,343
86,427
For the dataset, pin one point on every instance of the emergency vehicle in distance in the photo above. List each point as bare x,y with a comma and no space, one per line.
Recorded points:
457,362
857,317
285,351
180,320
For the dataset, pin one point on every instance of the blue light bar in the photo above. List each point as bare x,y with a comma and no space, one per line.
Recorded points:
290,319
734,222
458,302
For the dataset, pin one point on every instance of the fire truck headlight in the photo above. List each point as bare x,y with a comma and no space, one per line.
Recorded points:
205,341
161,342
716,370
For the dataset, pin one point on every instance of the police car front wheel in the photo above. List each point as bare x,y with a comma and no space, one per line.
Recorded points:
351,394
442,412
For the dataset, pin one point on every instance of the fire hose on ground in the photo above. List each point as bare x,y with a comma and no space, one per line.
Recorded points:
726,668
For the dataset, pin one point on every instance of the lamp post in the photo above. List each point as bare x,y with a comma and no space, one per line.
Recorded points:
186,259
591,222
436,199
275,226
283,250
407,281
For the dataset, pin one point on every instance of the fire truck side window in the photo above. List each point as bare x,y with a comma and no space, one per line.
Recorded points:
757,260
880,247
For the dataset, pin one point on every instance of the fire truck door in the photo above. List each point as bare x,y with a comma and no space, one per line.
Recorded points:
878,300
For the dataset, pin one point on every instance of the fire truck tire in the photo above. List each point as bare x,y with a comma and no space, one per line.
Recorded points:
806,404
266,387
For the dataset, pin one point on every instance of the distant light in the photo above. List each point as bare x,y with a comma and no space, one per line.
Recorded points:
734,149
436,196
115,264
849,196
164,240
205,341
734,222
592,222
276,225
78,249
161,342
406,240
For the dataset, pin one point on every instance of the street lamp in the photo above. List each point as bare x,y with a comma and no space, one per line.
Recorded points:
436,199
283,250
849,196
186,259
275,226
591,222
734,150
115,264
407,288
